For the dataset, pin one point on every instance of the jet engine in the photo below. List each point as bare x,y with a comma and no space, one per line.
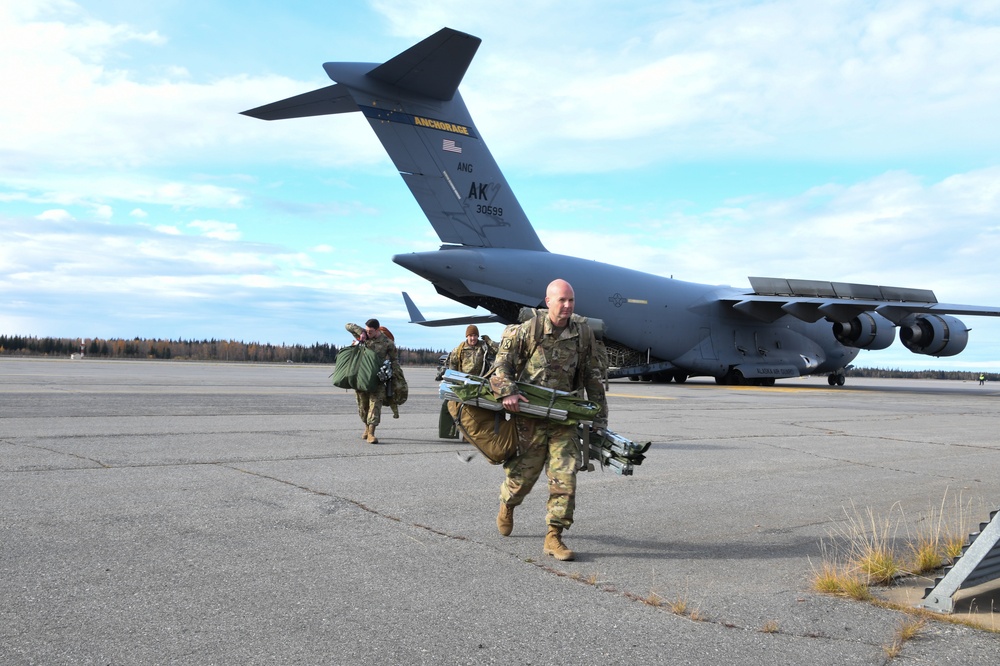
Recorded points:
869,330
934,335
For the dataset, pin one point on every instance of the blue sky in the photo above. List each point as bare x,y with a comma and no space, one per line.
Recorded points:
848,141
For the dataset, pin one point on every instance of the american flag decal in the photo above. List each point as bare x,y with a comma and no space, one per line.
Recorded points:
451,146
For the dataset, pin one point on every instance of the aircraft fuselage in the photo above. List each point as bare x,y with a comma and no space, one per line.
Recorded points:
671,320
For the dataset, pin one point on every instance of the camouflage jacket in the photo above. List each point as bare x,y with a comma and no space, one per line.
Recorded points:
531,353
383,347
475,360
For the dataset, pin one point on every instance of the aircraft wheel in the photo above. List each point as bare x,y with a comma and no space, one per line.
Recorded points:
733,378
831,380
680,377
841,380
633,378
769,381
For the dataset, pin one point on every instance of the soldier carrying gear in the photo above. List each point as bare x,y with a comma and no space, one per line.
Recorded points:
370,404
556,351
473,355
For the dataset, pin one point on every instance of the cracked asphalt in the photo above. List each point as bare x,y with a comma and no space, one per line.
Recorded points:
208,513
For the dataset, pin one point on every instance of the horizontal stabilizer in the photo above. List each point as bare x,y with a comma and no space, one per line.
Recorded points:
331,99
417,318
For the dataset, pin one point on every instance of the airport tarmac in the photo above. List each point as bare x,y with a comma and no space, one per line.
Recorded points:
210,513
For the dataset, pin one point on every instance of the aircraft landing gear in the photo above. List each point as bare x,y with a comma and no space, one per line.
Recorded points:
732,378
735,378
836,379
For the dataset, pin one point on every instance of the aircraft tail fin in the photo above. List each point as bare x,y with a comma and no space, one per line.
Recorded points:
413,105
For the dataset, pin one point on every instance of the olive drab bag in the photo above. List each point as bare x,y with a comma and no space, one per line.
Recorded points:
357,368
399,390
446,422
489,431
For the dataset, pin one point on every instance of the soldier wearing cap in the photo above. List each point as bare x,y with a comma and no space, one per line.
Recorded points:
557,351
474,355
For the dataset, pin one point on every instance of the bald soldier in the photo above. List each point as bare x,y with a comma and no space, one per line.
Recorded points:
555,351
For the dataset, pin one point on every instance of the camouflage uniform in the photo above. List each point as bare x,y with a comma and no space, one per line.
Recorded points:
472,359
557,363
370,404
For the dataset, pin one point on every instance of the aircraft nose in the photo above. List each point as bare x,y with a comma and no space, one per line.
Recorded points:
411,261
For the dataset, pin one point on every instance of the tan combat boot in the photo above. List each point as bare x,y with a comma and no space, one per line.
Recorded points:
372,439
554,545
505,519
364,435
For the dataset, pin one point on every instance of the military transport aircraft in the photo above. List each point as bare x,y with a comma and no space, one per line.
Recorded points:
655,327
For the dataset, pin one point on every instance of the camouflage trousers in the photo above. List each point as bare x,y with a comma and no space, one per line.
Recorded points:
544,444
369,407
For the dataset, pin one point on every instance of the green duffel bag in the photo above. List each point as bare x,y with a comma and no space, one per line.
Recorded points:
446,423
357,368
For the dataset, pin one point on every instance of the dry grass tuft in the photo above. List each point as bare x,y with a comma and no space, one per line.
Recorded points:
869,545
678,606
770,627
907,631
892,650
840,577
956,536
862,552
911,628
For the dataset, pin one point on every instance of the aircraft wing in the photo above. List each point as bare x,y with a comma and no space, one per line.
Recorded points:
812,300
417,318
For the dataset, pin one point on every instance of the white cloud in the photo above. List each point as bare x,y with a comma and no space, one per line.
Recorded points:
215,229
55,215
893,229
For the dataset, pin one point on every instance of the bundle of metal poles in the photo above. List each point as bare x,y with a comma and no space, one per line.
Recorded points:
612,450
608,448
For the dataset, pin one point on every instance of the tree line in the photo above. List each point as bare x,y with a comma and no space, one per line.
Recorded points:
892,373
191,350
256,352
